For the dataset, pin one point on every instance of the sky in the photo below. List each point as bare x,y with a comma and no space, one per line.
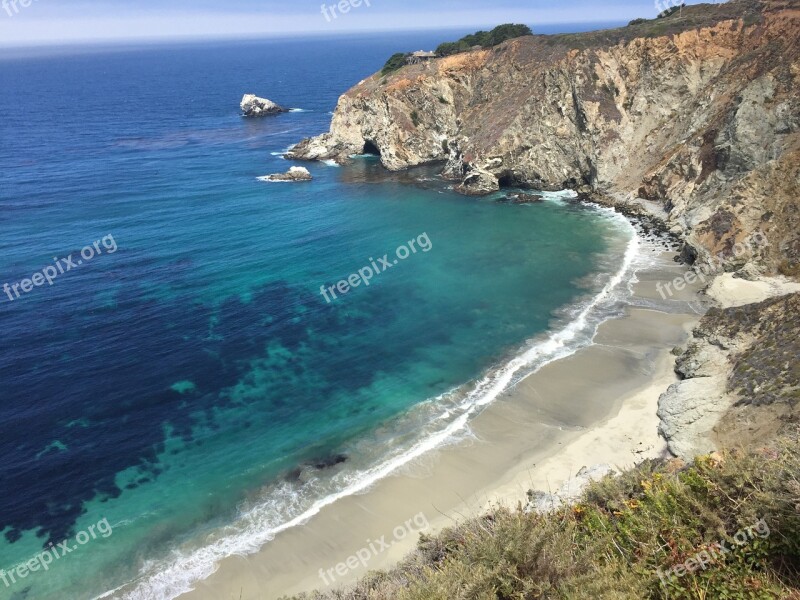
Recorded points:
46,22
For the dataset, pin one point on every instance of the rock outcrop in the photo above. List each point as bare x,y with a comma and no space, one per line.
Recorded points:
545,502
293,174
740,378
478,182
253,106
698,112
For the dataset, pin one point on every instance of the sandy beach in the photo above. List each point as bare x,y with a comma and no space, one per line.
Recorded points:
595,407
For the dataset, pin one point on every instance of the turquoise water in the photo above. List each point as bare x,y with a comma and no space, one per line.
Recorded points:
191,385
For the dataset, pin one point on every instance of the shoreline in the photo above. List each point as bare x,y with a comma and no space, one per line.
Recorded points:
535,435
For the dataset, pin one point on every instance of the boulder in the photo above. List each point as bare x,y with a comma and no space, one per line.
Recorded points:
478,182
253,106
293,174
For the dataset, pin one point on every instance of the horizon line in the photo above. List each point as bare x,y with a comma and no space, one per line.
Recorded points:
189,38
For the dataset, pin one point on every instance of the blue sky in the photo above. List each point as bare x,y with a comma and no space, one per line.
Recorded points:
67,21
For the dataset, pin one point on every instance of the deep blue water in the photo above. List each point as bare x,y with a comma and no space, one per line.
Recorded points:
189,375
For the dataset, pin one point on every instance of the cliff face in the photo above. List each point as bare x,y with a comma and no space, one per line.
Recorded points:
740,378
700,113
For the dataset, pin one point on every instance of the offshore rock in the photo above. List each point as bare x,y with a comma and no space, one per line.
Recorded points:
253,106
293,174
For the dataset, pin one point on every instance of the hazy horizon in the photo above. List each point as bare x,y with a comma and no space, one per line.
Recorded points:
26,23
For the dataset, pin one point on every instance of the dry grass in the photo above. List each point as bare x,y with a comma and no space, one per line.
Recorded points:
611,543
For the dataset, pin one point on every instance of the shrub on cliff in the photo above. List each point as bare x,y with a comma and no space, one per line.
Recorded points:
395,62
484,39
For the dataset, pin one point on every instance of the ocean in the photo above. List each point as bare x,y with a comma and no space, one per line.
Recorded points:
176,388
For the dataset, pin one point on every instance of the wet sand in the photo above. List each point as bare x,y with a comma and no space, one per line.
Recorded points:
597,406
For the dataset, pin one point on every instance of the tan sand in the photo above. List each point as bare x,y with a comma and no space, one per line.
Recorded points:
596,406
729,291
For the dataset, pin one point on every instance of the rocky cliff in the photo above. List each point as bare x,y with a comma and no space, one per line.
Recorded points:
740,376
698,112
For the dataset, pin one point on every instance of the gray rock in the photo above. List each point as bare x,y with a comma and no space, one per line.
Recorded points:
253,106
478,182
542,502
689,410
293,174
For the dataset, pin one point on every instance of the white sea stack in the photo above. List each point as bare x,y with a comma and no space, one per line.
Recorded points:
253,106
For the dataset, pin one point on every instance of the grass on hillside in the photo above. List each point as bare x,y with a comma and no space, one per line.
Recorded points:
613,542
671,22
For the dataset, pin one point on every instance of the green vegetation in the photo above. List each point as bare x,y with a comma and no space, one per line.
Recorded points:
657,30
484,39
612,543
395,62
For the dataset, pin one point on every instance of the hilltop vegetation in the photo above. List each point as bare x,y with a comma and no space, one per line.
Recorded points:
396,61
484,39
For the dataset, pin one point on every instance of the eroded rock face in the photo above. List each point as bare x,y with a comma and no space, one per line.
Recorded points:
689,411
478,182
704,120
253,106
738,361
